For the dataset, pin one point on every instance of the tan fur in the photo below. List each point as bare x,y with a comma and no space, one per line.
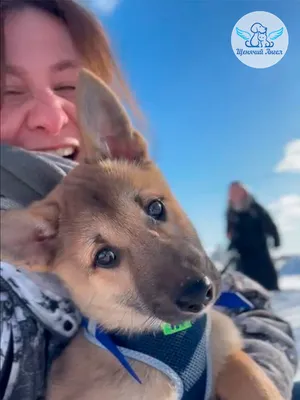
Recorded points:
102,203
225,341
241,379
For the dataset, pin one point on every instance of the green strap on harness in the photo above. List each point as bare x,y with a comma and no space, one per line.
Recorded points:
169,329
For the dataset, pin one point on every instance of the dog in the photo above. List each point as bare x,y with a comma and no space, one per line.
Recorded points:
114,234
256,29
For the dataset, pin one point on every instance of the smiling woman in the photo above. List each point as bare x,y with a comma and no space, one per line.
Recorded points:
42,52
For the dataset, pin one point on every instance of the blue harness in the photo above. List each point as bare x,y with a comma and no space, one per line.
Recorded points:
187,365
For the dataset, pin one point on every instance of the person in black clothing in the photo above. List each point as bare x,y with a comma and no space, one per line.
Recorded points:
249,226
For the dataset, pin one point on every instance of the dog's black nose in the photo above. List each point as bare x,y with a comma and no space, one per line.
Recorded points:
195,296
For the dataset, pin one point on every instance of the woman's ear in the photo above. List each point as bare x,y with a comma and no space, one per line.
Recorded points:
104,124
28,237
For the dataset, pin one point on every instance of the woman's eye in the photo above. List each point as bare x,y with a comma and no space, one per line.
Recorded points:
13,92
156,210
64,88
106,258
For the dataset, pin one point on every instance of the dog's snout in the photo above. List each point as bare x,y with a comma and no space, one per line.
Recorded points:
195,296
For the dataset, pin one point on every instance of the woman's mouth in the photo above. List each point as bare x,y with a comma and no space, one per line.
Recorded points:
70,152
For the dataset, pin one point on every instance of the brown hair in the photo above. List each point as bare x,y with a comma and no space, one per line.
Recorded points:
87,34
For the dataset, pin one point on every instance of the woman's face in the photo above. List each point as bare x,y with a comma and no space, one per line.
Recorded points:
42,66
237,194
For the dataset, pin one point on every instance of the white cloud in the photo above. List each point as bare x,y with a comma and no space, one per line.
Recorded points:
103,6
291,158
286,212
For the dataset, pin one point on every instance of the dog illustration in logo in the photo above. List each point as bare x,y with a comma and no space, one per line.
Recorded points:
259,36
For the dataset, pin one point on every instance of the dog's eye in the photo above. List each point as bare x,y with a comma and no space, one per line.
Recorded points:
106,258
156,210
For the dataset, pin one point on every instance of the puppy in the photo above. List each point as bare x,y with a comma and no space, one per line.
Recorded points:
114,234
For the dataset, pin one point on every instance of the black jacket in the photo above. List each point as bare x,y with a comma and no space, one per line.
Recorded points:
248,230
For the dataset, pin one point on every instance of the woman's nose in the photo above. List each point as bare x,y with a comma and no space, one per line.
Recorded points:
47,113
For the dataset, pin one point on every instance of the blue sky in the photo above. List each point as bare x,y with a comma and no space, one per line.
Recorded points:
211,118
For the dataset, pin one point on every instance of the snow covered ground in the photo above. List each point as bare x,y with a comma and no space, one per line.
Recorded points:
287,302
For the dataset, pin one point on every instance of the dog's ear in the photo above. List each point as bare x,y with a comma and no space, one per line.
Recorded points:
28,236
105,126
255,28
132,149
